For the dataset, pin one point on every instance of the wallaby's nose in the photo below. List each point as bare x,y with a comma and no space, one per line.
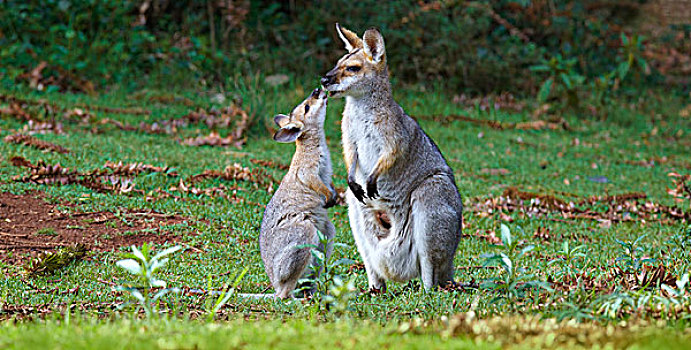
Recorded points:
326,80
316,92
329,78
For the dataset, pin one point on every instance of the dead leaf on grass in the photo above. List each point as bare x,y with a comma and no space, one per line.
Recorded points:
236,172
16,110
270,164
557,124
616,208
113,177
682,186
34,142
134,169
495,172
504,101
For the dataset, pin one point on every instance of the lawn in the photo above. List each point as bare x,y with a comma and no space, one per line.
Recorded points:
596,238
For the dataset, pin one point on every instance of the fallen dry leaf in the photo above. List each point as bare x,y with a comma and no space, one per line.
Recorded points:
495,172
34,142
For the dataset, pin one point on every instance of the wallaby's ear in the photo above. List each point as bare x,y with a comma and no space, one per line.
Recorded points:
288,133
374,45
349,38
281,119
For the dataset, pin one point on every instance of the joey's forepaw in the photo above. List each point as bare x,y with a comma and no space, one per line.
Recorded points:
357,191
330,202
372,188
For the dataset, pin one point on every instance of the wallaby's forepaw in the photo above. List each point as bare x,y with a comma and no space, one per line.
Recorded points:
357,191
372,188
330,202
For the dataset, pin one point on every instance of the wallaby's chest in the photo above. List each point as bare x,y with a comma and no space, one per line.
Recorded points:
365,137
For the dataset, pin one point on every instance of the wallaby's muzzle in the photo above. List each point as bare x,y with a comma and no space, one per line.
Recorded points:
329,78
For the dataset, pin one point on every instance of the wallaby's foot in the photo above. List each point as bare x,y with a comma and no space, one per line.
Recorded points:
372,192
459,286
377,291
357,191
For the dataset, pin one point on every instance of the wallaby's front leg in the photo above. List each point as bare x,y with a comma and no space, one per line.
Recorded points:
384,163
354,187
316,184
333,198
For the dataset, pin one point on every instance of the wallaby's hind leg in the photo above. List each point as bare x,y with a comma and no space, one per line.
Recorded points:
360,233
436,216
291,264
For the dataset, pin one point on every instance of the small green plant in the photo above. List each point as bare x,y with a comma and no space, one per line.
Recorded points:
47,231
49,262
570,259
327,287
340,294
562,79
676,297
632,259
144,266
630,57
212,306
680,244
513,283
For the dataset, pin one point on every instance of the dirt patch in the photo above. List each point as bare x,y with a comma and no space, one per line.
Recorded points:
28,225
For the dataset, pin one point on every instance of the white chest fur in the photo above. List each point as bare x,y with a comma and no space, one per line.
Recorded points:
363,136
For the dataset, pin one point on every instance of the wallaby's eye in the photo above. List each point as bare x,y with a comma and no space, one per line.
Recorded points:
307,108
353,69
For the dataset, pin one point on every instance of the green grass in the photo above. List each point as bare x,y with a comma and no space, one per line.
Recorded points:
221,235
81,333
47,231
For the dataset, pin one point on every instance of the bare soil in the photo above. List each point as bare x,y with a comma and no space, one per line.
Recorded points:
30,225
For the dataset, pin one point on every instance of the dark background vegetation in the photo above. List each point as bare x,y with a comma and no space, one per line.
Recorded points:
467,46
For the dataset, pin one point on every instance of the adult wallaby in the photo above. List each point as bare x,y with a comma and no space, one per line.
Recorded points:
407,222
298,208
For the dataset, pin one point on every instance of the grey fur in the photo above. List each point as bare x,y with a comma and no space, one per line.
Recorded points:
297,210
417,191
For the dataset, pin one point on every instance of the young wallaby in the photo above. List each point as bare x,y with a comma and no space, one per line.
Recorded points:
298,208
407,220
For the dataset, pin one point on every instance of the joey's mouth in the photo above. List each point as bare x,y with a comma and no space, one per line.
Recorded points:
319,93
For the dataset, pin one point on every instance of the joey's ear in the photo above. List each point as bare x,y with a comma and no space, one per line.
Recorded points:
374,45
281,119
349,38
288,133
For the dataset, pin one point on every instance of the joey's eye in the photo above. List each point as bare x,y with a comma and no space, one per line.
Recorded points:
307,108
353,69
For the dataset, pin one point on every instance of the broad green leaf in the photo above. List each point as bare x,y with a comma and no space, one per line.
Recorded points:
539,68
138,253
506,235
344,261
158,283
545,90
508,264
131,265
566,80
168,251
623,70
317,254
683,282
